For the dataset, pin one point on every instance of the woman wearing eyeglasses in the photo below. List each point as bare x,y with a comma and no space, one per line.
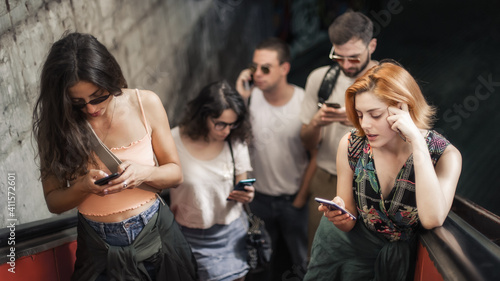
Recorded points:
205,205
83,90
395,175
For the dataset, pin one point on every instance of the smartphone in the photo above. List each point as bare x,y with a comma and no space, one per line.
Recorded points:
248,84
332,206
332,104
242,183
105,180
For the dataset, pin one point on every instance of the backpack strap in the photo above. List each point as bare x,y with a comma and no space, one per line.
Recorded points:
328,83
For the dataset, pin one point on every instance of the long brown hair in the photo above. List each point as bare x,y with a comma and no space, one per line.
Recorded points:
60,129
392,84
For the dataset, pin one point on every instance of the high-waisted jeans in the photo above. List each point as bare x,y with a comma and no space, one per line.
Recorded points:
124,233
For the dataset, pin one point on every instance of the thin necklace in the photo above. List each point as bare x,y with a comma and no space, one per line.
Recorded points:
110,122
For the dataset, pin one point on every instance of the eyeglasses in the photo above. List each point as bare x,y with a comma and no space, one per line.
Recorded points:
339,59
219,126
264,68
92,102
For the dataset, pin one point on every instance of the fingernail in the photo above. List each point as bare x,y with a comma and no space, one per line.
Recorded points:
105,192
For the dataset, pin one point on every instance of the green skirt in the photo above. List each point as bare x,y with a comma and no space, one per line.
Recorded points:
360,254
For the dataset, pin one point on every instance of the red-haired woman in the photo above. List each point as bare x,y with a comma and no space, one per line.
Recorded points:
395,175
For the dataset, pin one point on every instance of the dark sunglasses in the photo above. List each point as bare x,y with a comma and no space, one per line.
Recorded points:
219,126
264,68
339,59
92,102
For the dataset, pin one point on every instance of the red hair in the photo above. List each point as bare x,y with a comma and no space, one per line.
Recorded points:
392,84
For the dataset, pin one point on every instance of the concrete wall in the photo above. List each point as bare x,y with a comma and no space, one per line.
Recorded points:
173,47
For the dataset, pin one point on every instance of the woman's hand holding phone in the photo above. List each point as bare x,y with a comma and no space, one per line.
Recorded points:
335,210
243,191
127,177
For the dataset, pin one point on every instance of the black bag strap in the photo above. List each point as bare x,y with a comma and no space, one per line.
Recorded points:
328,83
245,205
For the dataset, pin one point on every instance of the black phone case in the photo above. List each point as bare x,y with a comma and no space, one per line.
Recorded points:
105,180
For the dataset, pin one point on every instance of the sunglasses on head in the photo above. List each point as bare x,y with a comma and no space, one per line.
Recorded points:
264,68
92,102
339,59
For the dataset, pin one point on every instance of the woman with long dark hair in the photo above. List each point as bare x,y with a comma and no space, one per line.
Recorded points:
211,140
83,91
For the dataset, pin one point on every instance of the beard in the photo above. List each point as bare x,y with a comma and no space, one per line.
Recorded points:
357,70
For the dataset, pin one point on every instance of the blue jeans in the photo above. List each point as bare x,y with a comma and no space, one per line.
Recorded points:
124,233
283,221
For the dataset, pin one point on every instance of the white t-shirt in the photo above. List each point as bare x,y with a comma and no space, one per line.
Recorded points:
200,201
278,156
331,134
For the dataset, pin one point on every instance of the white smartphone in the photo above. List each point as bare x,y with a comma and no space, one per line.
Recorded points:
332,206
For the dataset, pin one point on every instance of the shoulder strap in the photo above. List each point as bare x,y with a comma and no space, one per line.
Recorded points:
232,158
109,159
142,111
328,83
246,206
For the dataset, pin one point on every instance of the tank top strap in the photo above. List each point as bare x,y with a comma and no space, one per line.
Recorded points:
142,111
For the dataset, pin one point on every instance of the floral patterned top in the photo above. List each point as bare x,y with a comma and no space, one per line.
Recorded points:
396,216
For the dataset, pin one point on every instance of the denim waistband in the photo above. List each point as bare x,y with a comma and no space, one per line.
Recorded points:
129,228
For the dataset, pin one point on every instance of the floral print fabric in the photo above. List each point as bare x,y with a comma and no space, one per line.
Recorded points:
396,216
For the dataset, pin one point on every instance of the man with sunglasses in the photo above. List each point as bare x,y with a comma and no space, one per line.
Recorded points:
279,159
325,122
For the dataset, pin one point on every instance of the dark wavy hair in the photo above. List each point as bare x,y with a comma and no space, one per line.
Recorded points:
60,130
212,100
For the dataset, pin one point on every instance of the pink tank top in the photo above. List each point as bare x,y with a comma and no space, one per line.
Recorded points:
141,152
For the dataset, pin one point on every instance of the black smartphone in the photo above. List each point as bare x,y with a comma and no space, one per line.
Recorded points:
242,183
105,180
332,104
248,84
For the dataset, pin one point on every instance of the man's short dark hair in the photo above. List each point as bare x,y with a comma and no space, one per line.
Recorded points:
350,25
278,45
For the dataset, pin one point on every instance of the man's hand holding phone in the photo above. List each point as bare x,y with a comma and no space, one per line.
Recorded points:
329,113
244,84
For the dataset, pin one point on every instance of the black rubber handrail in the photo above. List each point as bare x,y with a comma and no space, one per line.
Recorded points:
460,252
33,230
